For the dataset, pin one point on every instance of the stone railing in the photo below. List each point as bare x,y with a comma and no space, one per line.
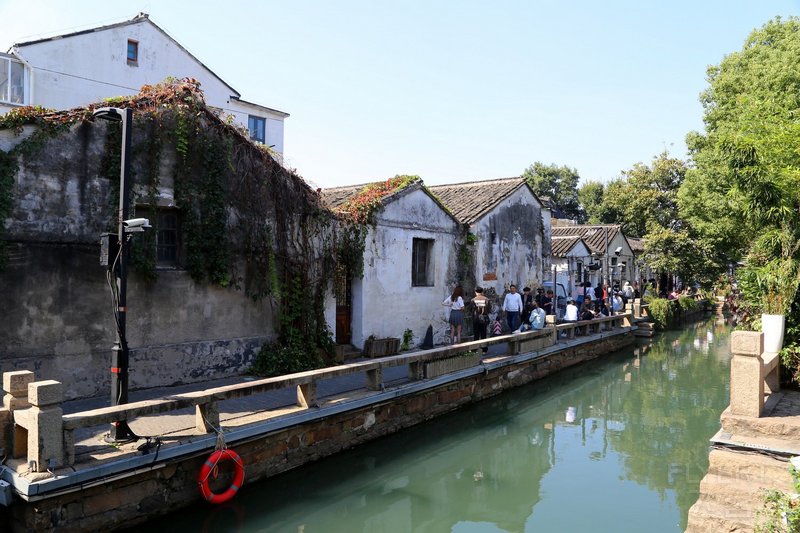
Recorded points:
754,374
32,424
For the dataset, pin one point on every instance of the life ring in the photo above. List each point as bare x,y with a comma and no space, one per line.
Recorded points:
210,467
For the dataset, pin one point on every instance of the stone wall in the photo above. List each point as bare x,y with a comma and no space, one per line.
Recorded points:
167,487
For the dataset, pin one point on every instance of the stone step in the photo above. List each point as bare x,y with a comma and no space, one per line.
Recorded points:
705,516
734,493
774,423
750,467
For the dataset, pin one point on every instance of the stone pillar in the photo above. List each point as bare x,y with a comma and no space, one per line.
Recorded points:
15,386
747,383
42,425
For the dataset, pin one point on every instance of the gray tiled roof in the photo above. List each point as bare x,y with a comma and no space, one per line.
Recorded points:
336,197
637,245
593,236
472,200
561,246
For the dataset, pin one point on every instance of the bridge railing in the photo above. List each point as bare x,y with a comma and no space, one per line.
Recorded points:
32,423
755,374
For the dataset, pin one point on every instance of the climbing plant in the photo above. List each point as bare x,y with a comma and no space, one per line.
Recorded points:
245,221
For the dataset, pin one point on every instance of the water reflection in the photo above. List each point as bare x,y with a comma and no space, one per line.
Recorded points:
614,445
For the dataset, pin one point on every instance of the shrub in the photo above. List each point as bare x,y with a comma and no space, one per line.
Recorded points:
687,304
661,311
275,359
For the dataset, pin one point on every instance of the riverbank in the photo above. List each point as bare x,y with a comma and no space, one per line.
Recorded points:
108,487
760,432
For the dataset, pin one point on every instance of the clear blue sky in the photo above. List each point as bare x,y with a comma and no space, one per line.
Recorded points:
451,91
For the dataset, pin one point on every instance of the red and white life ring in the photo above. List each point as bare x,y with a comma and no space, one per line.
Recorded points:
210,468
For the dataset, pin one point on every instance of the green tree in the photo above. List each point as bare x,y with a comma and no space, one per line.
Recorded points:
743,197
560,184
591,196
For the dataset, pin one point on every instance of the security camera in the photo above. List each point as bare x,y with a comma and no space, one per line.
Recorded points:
618,250
136,224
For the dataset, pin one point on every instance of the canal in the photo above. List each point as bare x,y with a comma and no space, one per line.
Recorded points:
618,444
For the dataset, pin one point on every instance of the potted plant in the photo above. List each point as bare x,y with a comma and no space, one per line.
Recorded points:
771,278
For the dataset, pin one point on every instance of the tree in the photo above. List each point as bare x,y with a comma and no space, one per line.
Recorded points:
560,184
744,196
591,196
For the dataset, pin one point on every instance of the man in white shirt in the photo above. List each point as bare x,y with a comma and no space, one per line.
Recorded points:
512,305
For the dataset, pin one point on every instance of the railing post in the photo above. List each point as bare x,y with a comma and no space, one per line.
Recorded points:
41,426
307,395
15,385
747,383
415,370
375,379
206,417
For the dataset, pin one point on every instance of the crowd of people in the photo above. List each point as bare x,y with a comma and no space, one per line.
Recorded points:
529,310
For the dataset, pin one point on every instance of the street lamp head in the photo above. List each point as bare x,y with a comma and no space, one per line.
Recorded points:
114,114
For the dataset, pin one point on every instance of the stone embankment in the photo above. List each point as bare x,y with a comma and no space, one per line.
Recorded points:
751,451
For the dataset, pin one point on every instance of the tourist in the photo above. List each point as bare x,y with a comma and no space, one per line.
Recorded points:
571,314
527,304
456,304
587,313
481,307
617,304
547,302
512,305
538,318
627,293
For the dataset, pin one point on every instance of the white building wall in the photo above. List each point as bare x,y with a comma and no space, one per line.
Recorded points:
85,68
510,243
384,302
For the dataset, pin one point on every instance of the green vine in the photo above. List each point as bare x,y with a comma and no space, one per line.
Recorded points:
245,222
47,127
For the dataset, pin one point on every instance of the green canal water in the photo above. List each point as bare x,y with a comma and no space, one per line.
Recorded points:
618,444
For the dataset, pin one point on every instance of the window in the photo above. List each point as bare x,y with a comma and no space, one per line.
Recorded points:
422,263
165,229
133,51
12,81
579,271
167,238
258,128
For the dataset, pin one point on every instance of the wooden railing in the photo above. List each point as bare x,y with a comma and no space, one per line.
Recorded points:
206,401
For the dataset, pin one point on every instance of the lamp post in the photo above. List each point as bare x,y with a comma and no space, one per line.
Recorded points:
120,431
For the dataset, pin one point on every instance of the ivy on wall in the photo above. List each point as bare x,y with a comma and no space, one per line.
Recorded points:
246,222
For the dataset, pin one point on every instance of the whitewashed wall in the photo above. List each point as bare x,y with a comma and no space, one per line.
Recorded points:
384,302
81,69
516,254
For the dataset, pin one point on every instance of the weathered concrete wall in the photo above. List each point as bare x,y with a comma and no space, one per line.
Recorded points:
510,243
384,301
56,312
135,499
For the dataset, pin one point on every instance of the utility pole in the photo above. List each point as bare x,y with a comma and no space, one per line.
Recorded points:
120,431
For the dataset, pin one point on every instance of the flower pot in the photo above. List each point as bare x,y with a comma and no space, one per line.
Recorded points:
773,327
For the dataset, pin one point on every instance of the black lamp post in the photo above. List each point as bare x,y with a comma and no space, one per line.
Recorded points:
120,431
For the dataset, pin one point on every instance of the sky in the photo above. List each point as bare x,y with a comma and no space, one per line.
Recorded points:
451,91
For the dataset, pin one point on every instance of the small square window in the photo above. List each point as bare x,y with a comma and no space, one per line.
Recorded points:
257,127
133,51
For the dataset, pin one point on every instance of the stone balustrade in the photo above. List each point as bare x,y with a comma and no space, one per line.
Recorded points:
754,374
33,426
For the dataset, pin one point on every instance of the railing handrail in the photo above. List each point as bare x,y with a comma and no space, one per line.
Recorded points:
175,402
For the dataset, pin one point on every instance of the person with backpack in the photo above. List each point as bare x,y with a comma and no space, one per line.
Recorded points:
481,307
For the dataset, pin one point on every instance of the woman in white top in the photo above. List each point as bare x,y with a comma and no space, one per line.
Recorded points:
456,304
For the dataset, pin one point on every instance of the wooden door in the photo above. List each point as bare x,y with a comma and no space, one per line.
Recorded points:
344,298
